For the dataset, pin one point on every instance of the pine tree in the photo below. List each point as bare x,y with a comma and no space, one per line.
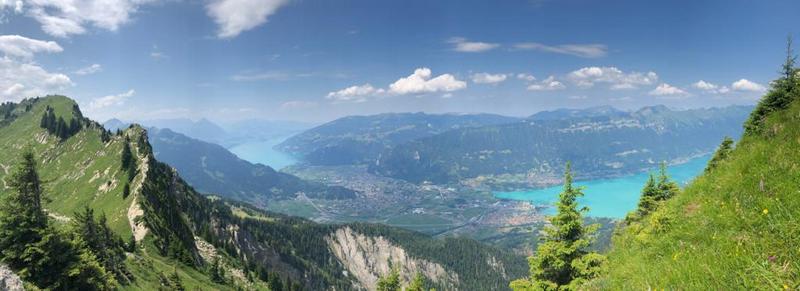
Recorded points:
417,284
647,202
390,282
667,188
38,252
126,190
22,219
561,261
721,154
782,92
127,156
61,128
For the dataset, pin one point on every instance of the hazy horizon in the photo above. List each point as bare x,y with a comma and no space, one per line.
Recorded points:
317,61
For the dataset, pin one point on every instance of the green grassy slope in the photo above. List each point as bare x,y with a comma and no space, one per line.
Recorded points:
82,170
736,227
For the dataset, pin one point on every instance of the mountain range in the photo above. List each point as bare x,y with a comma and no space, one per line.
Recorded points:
200,239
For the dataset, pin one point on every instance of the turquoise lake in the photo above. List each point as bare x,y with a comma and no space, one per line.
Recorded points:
262,152
608,197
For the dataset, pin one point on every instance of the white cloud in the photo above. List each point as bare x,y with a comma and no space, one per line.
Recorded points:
463,45
747,85
20,46
579,50
62,18
110,100
710,87
703,85
588,76
526,77
665,89
548,84
356,94
21,79
421,82
16,6
486,78
93,68
235,16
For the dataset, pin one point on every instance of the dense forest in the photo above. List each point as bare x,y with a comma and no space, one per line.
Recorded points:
624,143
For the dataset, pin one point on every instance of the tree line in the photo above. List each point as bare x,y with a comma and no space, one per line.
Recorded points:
85,256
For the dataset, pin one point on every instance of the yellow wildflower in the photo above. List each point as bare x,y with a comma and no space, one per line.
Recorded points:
765,211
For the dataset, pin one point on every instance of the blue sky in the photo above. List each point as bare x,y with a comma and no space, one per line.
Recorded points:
314,60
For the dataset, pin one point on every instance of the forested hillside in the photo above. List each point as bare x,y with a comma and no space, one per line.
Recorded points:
212,169
172,237
598,146
360,139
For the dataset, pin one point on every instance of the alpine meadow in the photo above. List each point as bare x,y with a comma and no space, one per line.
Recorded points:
389,145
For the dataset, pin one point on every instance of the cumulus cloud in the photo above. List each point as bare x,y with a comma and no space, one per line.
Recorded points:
358,93
62,18
236,16
710,87
578,50
548,84
420,82
588,76
665,89
16,6
747,85
461,44
20,46
110,100
93,68
486,78
21,79
526,77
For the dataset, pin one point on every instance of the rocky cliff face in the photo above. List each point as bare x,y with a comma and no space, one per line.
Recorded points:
367,258
9,281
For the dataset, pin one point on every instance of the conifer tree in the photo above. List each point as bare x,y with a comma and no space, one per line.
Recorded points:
390,282
38,252
782,92
127,156
667,188
561,261
417,284
126,190
22,219
647,202
721,154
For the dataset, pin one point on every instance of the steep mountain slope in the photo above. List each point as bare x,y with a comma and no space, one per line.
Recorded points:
359,139
735,227
537,150
210,168
178,230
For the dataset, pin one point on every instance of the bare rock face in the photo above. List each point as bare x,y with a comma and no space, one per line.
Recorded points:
9,281
367,258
